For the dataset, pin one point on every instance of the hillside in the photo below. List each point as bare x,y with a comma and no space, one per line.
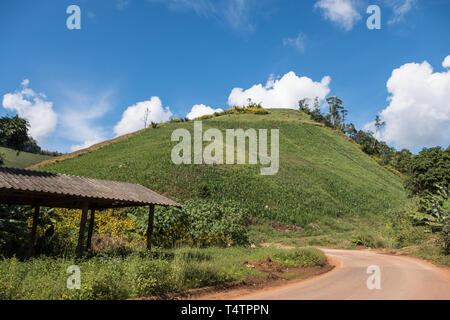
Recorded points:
22,160
322,175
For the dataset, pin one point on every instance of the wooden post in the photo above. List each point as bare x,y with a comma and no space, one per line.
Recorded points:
151,214
84,213
91,229
33,231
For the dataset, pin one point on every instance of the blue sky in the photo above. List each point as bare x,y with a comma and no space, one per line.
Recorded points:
82,83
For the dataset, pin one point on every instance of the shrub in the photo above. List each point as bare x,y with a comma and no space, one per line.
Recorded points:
199,223
446,237
152,277
105,285
216,223
307,257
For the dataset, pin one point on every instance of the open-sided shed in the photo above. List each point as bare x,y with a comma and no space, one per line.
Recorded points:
45,189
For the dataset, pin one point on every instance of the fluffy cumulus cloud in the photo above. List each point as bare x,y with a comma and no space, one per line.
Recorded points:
281,93
418,114
199,110
341,12
446,62
134,116
35,108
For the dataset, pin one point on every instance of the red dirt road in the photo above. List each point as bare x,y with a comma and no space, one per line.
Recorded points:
401,278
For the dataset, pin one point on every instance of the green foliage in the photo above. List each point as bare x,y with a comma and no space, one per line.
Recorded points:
307,257
14,231
13,132
138,274
446,236
434,210
15,225
337,112
429,170
2,158
151,277
216,223
199,223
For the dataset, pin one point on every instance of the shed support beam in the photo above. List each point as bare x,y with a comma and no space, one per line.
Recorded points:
33,231
151,215
84,213
91,229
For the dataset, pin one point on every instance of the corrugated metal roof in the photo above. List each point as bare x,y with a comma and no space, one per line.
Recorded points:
21,183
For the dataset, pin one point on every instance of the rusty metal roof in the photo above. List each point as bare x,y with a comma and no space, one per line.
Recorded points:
20,186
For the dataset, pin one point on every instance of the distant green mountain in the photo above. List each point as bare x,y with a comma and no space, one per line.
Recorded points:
322,174
21,160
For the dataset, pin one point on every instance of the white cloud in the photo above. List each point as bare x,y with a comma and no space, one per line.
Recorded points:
122,4
133,118
418,114
200,7
80,115
297,42
446,62
236,13
281,93
33,107
400,9
341,12
199,110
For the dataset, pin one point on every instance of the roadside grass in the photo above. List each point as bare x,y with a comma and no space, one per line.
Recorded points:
429,251
393,231
141,273
21,160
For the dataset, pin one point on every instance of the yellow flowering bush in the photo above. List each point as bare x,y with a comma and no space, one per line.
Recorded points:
113,223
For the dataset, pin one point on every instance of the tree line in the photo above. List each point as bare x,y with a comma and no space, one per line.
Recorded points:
425,175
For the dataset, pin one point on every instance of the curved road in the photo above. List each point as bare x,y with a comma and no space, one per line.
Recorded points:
401,278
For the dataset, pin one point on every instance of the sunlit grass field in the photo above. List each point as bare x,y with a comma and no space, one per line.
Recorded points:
21,159
322,174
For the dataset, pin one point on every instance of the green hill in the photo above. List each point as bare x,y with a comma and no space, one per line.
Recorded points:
322,174
21,160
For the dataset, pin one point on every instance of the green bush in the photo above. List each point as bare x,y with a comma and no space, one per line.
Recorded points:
200,223
152,277
446,237
212,223
307,257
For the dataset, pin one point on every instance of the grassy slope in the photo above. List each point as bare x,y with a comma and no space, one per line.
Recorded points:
322,176
24,159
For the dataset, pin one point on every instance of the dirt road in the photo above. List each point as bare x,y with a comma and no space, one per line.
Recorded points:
400,278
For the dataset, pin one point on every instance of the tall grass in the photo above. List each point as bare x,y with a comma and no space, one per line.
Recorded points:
140,273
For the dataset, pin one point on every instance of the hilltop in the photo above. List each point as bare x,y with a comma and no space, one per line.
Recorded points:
322,174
